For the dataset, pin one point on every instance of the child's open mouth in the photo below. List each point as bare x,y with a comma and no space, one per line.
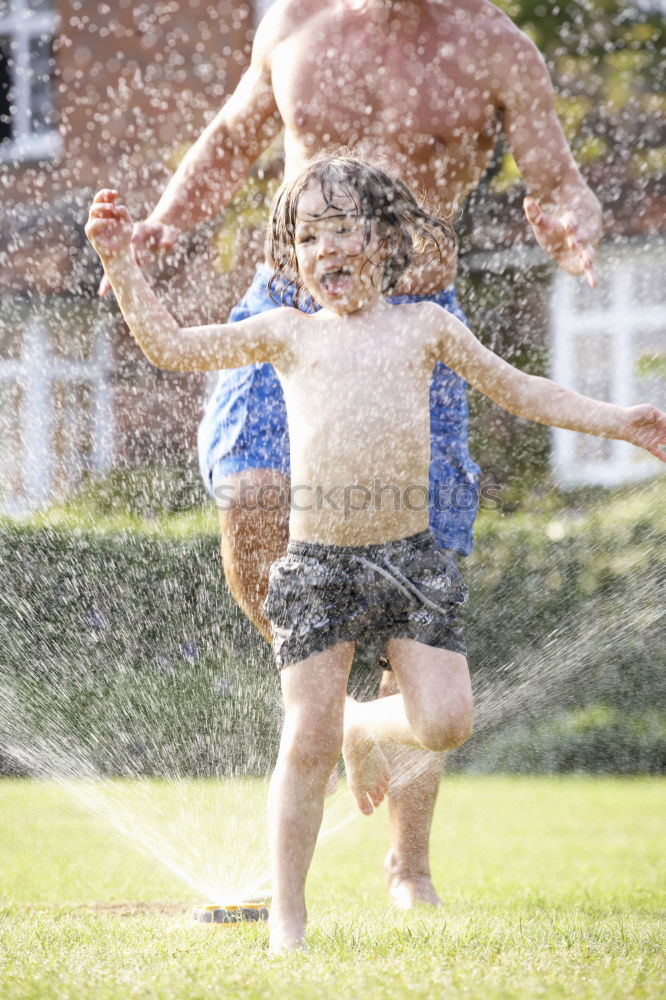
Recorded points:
335,280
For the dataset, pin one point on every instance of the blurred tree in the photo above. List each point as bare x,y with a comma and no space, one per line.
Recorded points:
606,59
592,28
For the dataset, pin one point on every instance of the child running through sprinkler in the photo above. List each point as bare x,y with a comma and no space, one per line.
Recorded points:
356,376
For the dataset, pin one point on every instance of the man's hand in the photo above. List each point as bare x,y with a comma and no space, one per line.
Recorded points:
564,239
109,226
147,238
646,428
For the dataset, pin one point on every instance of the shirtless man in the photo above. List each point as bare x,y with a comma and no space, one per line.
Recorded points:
426,85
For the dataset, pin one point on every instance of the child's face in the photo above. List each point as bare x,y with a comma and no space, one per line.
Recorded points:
334,262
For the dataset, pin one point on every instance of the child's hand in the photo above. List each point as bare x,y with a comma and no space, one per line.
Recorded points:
646,427
109,227
148,238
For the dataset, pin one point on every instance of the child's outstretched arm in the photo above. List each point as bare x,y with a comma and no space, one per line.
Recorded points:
162,340
540,399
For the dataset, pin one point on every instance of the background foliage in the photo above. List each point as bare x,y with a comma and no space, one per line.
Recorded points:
121,651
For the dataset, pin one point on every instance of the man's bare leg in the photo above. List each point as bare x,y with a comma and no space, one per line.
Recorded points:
253,511
435,711
412,794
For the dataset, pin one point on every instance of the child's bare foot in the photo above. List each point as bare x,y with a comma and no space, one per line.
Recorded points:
409,890
285,934
366,765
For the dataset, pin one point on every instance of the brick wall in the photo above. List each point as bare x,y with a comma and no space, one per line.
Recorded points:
134,84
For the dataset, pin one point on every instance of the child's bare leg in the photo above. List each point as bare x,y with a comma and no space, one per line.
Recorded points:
365,763
433,711
314,697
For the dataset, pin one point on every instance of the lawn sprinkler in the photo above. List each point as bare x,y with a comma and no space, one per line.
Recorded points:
231,913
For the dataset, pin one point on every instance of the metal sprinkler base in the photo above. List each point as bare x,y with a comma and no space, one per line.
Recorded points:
230,914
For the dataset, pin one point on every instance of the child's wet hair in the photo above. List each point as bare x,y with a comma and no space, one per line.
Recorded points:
399,221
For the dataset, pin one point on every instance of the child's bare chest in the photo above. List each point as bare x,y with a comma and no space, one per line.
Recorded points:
379,366
334,384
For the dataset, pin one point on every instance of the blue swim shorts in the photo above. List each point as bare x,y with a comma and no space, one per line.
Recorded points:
244,425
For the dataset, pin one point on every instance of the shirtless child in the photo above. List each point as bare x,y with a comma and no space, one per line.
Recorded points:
427,85
356,379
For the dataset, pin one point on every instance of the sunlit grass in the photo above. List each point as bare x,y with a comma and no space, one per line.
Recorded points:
551,887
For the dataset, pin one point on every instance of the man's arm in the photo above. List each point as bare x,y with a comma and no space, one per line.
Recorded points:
217,164
540,399
565,215
162,340
214,168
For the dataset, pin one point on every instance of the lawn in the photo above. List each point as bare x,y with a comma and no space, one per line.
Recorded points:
552,887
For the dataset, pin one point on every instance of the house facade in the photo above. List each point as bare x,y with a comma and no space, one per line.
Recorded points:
111,94
94,95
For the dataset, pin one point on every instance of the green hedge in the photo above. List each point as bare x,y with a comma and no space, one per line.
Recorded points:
121,651
598,739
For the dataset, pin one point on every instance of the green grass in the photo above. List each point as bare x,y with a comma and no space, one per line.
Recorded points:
552,888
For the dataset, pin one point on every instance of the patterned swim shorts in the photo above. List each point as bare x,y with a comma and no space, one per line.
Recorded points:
319,595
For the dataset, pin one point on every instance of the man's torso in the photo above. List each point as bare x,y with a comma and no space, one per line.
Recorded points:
417,85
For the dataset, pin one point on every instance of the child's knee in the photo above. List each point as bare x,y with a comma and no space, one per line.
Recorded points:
445,728
462,723
311,745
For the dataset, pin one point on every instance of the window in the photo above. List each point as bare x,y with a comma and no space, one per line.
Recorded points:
56,421
27,112
610,342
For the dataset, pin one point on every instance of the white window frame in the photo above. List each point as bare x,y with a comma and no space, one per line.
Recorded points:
623,317
22,25
35,371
